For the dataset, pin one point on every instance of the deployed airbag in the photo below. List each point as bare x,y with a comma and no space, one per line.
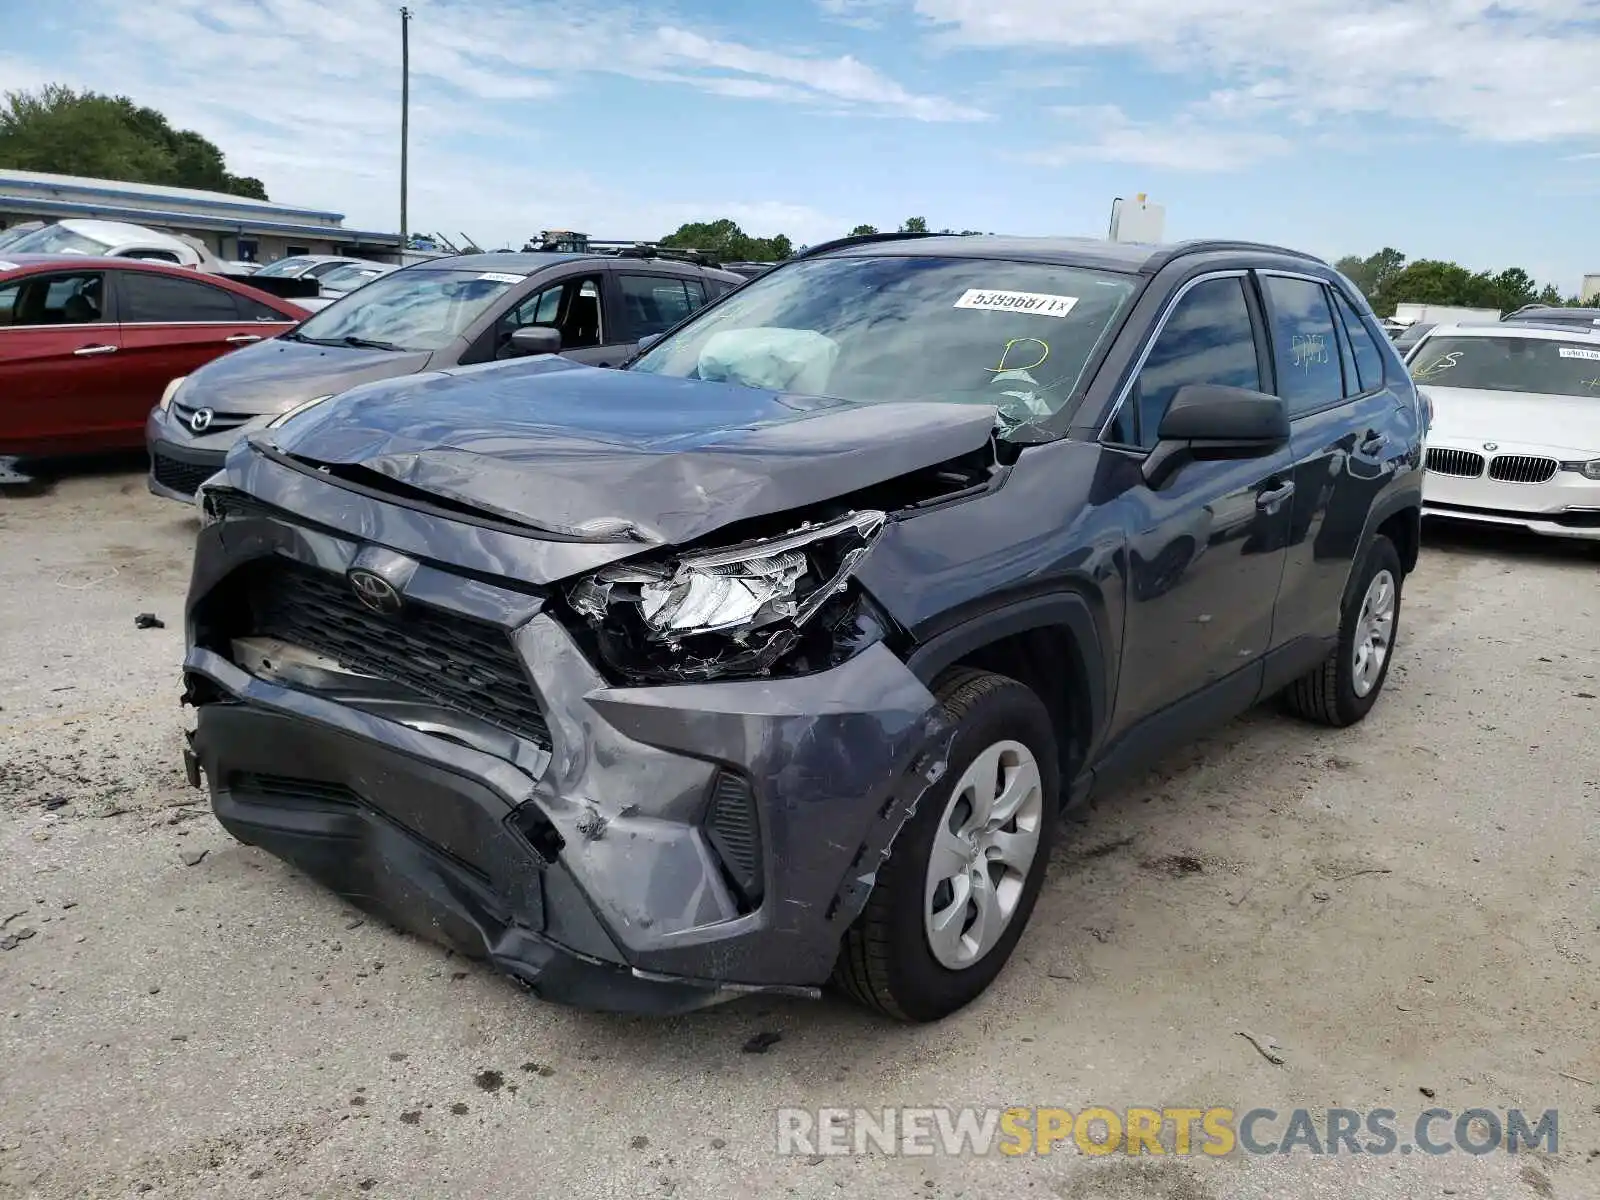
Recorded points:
771,357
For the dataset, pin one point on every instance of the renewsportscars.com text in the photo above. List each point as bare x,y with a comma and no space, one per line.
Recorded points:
1213,1131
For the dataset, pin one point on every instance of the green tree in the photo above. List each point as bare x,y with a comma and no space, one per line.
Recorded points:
863,230
1373,273
915,225
724,239
60,131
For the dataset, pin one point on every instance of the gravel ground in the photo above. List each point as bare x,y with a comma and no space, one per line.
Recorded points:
1409,905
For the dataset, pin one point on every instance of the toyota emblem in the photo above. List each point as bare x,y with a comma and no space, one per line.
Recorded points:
200,420
1491,446
376,592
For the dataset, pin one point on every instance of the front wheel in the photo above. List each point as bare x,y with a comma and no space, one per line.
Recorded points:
1343,689
959,885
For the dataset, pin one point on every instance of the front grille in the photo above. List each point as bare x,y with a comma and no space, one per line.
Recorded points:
219,423
1466,464
463,663
285,788
735,834
1522,468
184,477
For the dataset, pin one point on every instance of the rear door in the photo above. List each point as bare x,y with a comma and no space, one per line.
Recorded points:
174,324
1348,439
653,302
59,364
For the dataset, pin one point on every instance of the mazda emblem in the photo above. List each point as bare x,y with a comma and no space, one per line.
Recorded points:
200,421
376,592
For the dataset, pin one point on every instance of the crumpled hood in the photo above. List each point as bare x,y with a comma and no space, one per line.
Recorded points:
621,455
275,375
1569,423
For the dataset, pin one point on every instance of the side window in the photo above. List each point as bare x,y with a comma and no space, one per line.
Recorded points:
1307,349
165,256
148,298
697,293
656,303
254,310
571,306
75,298
1207,338
1369,359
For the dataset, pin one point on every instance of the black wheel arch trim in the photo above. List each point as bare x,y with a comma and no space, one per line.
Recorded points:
1059,609
1394,503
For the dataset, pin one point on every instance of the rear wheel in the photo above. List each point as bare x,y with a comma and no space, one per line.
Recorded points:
957,889
1343,689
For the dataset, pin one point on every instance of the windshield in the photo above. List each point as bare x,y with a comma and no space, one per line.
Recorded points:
1543,366
56,239
348,277
872,330
285,266
408,310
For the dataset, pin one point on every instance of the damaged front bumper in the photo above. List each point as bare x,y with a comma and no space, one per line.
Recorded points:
651,849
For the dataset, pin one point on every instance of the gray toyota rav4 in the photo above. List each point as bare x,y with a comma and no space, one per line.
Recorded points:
775,657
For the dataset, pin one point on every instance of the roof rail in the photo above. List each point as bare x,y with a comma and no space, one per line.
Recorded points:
862,239
1206,245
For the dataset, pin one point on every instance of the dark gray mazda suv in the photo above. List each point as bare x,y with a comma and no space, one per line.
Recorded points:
775,657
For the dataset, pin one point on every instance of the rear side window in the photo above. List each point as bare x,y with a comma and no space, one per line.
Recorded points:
1369,359
1208,338
1305,344
655,303
162,299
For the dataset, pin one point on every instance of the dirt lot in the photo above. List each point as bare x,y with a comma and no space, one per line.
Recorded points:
1411,909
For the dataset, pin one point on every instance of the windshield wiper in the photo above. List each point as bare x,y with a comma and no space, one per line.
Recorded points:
362,343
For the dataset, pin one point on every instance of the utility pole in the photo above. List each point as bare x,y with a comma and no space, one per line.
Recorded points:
405,123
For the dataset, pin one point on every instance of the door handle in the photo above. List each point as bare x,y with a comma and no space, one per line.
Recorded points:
91,351
240,339
1374,442
1267,501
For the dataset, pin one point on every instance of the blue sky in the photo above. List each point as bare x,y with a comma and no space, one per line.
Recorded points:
1463,129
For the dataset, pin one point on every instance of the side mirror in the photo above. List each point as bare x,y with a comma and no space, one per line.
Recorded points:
649,339
1209,422
534,339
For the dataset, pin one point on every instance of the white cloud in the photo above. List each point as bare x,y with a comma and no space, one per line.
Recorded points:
1502,70
858,14
306,95
1107,133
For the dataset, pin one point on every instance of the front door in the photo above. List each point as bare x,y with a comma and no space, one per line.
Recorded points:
575,307
59,368
1206,548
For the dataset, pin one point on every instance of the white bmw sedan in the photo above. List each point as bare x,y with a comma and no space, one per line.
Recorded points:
1515,438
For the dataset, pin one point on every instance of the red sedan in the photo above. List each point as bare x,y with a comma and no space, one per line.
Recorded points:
88,345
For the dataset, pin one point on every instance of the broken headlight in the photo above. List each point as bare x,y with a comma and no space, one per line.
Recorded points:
718,612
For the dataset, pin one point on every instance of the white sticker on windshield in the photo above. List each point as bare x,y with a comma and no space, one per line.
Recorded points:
497,277
1037,303
1575,352
5,266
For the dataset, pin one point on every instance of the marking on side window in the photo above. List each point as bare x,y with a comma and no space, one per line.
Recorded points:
1576,352
1039,304
1308,350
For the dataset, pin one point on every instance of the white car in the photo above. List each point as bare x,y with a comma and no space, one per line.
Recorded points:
1515,438
115,239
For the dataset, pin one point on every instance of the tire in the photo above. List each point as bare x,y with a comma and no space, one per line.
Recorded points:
1331,694
887,960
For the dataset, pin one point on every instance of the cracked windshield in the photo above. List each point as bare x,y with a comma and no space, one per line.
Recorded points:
881,329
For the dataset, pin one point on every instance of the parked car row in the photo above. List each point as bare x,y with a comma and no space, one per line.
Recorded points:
435,315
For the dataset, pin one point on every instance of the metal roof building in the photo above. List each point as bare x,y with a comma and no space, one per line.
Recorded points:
235,227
